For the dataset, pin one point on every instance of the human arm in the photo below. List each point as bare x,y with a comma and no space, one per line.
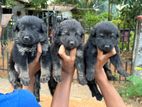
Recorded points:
33,68
62,92
111,96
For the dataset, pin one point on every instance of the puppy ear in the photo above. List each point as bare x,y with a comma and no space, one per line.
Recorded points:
43,28
118,34
58,30
93,32
16,27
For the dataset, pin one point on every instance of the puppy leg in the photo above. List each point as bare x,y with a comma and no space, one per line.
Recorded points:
24,72
115,60
45,63
14,80
52,85
13,75
90,62
80,67
108,72
56,64
37,86
94,90
57,69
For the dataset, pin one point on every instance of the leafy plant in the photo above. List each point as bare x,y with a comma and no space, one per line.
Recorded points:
90,18
133,88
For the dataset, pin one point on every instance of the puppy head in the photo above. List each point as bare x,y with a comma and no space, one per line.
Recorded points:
30,30
70,33
105,36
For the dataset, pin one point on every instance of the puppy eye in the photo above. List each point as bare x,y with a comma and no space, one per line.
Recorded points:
33,27
101,35
112,34
22,27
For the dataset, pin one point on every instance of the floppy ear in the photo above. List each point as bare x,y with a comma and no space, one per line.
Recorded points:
93,32
58,30
43,28
118,34
16,27
57,35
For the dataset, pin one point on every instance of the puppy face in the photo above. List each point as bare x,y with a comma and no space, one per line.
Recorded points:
70,34
105,36
30,30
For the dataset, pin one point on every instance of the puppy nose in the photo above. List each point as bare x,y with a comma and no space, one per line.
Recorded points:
71,43
107,47
26,38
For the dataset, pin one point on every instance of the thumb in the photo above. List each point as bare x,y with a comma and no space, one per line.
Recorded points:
62,52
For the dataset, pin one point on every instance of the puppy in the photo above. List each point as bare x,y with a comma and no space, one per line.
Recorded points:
30,30
70,33
105,37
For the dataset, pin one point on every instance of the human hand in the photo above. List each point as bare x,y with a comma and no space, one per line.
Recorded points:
101,61
68,61
34,68
103,58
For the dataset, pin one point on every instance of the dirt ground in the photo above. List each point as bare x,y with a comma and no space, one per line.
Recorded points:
80,95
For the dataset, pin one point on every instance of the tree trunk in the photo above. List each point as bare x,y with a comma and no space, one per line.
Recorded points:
137,52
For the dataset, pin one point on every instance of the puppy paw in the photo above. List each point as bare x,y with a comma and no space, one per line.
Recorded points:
111,78
90,76
123,73
57,74
82,80
25,81
57,78
99,97
44,78
24,78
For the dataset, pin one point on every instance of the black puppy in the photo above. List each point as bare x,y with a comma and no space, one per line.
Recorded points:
69,33
30,30
105,37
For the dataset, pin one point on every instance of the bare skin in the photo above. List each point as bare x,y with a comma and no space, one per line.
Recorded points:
33,68
111,96
62,92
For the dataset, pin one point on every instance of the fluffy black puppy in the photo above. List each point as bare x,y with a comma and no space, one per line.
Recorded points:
105,37
30,30
70,33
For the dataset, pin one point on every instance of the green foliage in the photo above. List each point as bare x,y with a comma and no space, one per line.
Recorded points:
130,12
133,88
10,2
122,25
39,3
90,18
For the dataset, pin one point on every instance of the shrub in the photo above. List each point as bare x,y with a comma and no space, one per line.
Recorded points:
133,88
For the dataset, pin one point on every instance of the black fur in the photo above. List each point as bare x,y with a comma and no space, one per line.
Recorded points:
30,30
69,33
103,36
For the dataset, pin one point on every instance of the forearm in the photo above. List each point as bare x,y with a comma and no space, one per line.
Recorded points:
111,96
62,92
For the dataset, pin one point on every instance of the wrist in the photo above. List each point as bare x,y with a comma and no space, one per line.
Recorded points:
100,75
66,76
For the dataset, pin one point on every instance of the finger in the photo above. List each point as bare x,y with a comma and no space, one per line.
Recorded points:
113,52
100,53
73,53
39,48
62,52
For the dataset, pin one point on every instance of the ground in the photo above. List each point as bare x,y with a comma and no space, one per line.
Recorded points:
80,95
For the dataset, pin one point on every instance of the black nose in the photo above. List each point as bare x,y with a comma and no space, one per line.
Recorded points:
107,47
71,43
26,38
